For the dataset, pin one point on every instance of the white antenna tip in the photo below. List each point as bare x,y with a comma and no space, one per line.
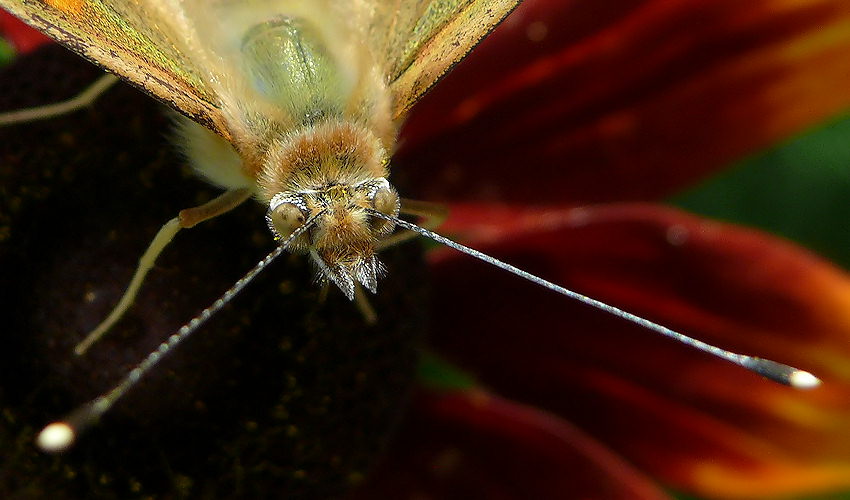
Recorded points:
803,380
56,437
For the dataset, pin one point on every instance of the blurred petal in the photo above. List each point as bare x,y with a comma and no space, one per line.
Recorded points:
625,99
476,445
24,38
701,424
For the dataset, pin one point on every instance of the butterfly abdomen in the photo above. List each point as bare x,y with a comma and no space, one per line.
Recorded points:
300,67
287,62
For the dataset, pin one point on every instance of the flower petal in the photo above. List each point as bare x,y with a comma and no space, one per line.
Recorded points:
24,38
476,445
702,424
624,100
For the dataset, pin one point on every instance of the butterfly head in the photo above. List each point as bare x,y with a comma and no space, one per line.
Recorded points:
343,235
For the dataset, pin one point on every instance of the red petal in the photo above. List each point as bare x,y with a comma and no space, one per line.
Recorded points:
701,424
24,38
476,445
626,99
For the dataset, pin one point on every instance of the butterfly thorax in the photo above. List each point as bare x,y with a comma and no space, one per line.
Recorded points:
333,173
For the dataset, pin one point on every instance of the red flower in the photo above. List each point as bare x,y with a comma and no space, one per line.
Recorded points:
611,103
24,38
692,422
615,102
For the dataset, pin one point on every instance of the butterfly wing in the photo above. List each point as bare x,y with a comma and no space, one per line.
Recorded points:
145,42
150,44
420,40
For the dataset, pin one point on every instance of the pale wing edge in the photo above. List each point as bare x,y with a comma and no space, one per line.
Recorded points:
165,87
445,49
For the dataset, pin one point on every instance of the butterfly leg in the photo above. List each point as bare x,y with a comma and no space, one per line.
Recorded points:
433,215
80,101
187,218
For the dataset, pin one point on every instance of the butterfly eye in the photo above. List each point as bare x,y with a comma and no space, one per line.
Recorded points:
387,202
284,219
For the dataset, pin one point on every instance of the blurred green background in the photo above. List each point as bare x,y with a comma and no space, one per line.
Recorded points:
799,189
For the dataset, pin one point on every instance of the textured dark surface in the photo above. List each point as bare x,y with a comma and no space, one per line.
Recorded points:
278,396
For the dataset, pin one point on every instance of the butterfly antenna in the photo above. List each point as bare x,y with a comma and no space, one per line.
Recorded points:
778,372
59,436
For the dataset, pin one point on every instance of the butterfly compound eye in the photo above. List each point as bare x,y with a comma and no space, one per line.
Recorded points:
284,219
387,202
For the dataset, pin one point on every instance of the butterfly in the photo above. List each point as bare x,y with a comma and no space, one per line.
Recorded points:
296,104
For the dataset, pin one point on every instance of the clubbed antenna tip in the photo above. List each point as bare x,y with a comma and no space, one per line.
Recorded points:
56,437
778,372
